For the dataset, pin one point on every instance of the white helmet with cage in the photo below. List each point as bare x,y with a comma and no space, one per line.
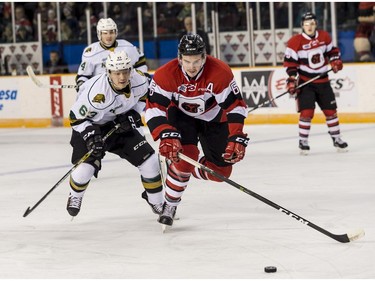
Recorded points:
104,25
118,61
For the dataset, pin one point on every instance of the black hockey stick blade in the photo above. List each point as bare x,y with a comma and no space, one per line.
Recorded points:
343,238
28,211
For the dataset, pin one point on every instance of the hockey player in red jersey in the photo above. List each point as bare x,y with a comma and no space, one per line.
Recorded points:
194,98
307,55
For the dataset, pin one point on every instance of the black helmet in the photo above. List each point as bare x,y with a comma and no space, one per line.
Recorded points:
190,45
308,16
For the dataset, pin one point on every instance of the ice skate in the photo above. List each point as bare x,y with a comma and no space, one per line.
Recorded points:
304,147
340,144
167,216
156,208
74,205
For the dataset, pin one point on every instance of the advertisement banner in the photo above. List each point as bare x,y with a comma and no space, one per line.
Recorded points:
56,102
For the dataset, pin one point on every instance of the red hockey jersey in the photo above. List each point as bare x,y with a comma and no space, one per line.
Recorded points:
308,56
212,96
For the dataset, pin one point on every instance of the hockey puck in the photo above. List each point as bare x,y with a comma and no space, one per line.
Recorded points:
270,269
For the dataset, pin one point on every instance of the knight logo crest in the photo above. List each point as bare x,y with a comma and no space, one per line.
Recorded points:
99,98
88,50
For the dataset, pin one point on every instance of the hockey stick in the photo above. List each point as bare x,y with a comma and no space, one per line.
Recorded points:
298,87
80,161
37,82
343,238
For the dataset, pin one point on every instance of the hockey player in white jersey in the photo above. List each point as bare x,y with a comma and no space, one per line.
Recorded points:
115,97
95,55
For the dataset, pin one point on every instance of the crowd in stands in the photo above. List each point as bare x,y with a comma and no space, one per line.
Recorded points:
170,18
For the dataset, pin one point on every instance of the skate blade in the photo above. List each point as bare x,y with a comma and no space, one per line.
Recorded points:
165,228
304,152
342,150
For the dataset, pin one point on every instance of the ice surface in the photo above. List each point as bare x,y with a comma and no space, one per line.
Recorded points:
222,232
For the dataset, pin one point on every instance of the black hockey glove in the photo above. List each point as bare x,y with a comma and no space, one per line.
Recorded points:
79,83
92,136
128,121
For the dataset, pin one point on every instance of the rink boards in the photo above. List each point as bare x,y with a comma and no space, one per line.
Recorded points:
24,104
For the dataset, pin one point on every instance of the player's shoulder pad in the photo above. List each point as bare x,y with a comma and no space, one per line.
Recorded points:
99,92
324,35
91,50
139,83
124,43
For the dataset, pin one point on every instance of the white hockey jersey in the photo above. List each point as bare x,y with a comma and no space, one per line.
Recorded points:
95,55
99,102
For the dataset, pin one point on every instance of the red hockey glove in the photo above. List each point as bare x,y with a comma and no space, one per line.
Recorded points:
336,64
235,150
291,85
170,145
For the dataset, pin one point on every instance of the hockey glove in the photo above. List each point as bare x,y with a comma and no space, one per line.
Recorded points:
128,121
79,83
92,136
235,150
336,64
291,85
170,145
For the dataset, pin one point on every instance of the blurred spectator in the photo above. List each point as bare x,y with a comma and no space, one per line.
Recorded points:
130,20
228,16
24,30
50,35
167,19
281,11
188,22
116,14
5,20
70,20
42,8
7,34
55,64
23,35
184,12
364,39
66,32
148,19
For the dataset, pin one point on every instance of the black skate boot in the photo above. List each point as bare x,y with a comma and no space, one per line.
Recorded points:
156,208
166,218
340,144
74,205
304,147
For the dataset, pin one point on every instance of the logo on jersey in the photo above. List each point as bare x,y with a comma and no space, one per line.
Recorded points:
192,108
99,98
88,50
187,88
